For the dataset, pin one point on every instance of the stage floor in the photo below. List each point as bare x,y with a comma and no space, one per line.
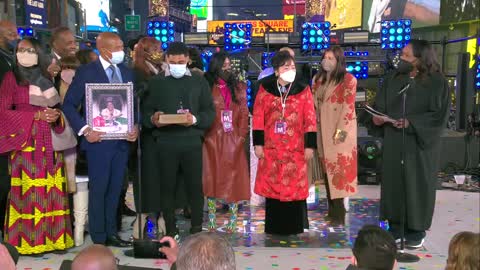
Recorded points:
322,247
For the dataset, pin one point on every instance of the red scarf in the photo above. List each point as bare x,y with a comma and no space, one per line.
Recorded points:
225,91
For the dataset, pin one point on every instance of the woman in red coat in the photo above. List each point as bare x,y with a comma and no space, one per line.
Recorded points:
225,167
284,136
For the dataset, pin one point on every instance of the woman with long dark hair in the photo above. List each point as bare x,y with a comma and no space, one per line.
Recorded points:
225,167
427,107
284,137
38,216
334,95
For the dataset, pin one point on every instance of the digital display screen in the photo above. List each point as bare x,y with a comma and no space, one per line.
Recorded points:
97,12
421,12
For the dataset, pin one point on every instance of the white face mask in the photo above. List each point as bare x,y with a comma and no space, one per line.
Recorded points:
289,76
328,65
177,70
67,75
117,57
26,59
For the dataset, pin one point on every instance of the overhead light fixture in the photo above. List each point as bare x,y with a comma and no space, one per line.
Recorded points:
261,15
195,38
355,37
276,38
232,14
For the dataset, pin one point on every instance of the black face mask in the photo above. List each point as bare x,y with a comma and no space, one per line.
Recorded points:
404,67
225,75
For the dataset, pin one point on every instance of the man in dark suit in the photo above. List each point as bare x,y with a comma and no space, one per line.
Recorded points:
107,160
63,44
8,42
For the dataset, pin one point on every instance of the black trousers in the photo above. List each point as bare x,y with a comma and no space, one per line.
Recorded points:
5,186
161,161
336,208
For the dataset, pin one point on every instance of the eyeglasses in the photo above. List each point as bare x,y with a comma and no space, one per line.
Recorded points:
27,50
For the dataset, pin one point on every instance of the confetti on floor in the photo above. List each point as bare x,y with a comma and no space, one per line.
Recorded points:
321,248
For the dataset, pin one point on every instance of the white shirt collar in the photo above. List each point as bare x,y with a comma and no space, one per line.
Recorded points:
105,63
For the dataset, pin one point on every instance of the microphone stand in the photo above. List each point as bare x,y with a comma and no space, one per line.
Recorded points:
402,256
142,248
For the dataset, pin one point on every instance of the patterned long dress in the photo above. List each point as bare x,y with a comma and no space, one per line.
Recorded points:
335,106
38,215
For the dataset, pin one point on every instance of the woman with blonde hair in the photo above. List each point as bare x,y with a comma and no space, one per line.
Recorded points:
464,252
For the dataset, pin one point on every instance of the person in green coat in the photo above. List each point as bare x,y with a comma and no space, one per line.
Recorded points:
427,107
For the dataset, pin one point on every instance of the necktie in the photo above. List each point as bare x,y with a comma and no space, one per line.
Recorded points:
114,77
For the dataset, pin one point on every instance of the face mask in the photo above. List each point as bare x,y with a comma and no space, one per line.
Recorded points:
67,75
225,74
117,57
288,76
12,44
178,70
404,66
155,57
26,59
328,65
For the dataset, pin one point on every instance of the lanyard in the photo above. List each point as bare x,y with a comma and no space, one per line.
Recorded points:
283,99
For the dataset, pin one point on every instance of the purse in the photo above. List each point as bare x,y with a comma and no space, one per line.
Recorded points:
65,140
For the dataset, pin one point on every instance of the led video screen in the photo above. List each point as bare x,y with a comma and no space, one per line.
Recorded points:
421,12
97,12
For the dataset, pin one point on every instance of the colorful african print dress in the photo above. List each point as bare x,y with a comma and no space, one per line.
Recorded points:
38,215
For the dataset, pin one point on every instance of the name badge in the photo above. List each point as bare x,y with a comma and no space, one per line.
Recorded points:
227,120
183,111
280,127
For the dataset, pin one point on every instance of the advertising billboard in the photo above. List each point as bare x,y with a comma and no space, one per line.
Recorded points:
36,13
216,28
199,8
421,12
97,12
343,13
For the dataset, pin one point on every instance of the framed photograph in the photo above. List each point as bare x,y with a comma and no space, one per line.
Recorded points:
109,109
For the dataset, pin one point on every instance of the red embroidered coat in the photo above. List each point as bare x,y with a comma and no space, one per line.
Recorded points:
336,110
282,173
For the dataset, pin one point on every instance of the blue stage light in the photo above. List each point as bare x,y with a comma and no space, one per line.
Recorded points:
162,31
358,69
315,36
477,72
237,35
395,34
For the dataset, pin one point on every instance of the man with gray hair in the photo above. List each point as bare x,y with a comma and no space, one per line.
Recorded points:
201,251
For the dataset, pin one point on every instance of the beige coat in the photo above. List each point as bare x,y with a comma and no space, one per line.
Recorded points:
335,107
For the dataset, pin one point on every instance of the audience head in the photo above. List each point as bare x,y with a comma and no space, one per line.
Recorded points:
110,47
63,42
86,56
8,35
464,252
95,257
374,249
333,66
205,251
284,66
